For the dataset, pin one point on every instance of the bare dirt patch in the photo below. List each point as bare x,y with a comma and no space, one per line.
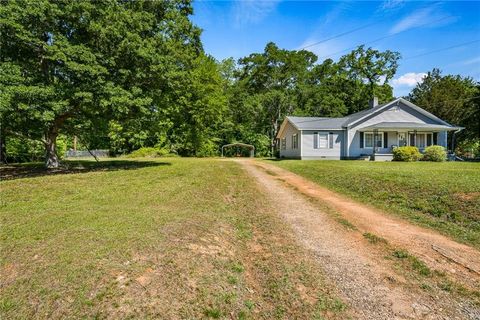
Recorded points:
468,196
368,281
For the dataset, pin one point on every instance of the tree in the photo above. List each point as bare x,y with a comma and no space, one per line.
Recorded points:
274,77
62,62
454,98
196,117
371,66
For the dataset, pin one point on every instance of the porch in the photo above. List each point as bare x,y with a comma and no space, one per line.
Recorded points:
380,139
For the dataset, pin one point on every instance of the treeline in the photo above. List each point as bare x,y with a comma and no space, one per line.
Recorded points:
121,75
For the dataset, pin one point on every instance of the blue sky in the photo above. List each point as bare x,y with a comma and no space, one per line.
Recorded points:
413,28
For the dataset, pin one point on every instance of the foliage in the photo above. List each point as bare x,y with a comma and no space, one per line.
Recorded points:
453,98
148,152
270,85
435,154
407,153
371,66
443,196
67,62
123,75
469,148
21,149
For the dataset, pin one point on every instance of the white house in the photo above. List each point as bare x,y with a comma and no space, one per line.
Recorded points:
369,134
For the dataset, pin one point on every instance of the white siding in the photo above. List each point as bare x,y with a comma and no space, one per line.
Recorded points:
401,113
289,152
308,151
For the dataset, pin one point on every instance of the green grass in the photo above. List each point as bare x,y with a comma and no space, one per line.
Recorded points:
163,238
372,238
442,196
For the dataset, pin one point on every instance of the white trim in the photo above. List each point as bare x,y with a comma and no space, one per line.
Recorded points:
349,125
406,138
301,143
327,136
408,104
425,135
380,133
295,141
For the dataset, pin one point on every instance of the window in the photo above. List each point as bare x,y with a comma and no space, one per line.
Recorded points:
323,140
421,140
369,138
295,141
284,143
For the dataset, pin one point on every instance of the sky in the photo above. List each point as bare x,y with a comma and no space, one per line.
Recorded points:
444,35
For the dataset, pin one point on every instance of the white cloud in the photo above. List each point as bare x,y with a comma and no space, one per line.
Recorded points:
471,61
252,11
392,4
409,79
425,17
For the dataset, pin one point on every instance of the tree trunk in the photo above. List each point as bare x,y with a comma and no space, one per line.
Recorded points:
51,158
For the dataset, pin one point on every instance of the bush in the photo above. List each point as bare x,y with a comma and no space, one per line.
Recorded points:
148,152
24,150
435,153
406,154
469,148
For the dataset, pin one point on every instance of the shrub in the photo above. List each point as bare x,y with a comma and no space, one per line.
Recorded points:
435,153
469,148
406,154
148,152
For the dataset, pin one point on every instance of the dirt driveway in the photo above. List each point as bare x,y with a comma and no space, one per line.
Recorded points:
369,282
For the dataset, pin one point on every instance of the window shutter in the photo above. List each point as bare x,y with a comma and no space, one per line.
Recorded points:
385,139
435,138
361,140
429,139
315,140
330,140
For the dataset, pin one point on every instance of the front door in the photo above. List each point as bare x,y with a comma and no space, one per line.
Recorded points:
402,139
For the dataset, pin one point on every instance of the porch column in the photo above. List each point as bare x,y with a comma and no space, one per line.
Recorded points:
375,137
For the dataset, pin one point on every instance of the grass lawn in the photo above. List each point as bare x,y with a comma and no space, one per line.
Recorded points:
167,238
442,196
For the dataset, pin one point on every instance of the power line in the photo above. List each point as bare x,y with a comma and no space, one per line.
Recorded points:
382,38
340,35
442,49
357,29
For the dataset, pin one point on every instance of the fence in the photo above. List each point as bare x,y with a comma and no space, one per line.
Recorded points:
85,153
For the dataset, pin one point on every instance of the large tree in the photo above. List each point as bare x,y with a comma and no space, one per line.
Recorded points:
453,98
273,78
375,68
63,62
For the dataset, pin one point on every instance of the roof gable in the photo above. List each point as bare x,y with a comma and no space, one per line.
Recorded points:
362,115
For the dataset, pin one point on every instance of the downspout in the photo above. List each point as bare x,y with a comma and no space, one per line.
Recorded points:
301,144
346,143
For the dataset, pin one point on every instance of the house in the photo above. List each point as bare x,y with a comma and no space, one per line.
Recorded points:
368,134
